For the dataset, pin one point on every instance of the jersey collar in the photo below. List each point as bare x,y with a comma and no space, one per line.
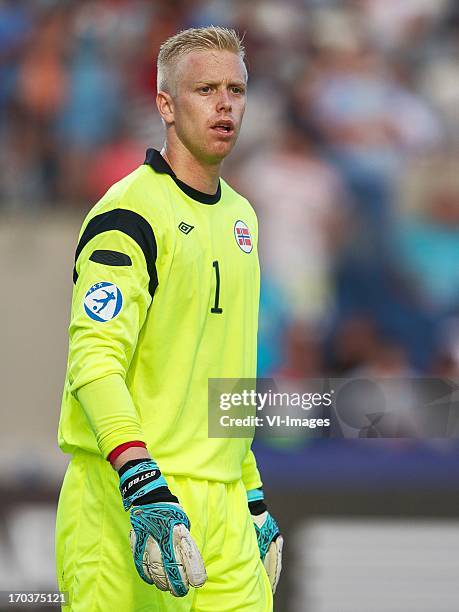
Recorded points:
159,164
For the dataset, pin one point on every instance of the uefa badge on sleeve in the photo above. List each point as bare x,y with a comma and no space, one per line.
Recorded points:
243,237
103,301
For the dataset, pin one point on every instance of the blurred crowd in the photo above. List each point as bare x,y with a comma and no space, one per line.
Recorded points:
348,153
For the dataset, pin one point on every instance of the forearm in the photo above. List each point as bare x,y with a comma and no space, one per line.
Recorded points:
111,412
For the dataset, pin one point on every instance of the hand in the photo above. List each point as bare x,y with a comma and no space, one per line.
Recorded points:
164,552
270,541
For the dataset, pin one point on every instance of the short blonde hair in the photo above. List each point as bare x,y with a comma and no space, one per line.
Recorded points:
194,39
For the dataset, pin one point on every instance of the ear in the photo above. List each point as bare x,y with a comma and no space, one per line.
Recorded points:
165,106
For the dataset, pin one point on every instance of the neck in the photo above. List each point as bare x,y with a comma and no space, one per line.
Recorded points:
195,173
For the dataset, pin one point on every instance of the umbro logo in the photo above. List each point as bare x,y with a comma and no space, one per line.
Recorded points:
185,228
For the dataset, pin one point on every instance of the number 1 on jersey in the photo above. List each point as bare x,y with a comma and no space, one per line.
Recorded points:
216,309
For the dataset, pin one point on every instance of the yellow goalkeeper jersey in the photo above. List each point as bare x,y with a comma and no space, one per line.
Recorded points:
166,293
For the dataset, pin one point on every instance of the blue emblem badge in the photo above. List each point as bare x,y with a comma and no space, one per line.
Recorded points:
103,301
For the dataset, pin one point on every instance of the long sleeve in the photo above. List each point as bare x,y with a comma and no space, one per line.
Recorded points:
112,294
110,411
250,474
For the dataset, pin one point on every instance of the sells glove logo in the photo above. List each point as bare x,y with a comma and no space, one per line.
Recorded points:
243,237
147,475
103,301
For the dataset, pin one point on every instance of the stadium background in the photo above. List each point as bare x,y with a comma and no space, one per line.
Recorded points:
349,155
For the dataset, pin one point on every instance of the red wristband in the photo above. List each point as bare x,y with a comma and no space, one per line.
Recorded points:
116,452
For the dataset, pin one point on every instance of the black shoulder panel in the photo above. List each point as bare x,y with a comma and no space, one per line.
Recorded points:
110,258
130,223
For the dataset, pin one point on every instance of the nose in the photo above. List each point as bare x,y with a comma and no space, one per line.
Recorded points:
224,101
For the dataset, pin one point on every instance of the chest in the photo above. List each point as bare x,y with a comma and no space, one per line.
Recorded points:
212,256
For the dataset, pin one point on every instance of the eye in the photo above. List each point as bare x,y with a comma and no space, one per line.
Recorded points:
237,90
204,89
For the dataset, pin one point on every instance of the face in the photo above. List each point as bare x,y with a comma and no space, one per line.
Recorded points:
206,109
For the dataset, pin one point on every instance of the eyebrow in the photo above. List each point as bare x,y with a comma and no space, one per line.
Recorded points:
208,82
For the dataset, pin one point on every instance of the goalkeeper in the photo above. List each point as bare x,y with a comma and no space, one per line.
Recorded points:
166,289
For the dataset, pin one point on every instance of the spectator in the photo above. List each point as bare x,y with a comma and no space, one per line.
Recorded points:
300,205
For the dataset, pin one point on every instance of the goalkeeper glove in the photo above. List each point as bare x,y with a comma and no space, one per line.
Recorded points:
164,552
270,541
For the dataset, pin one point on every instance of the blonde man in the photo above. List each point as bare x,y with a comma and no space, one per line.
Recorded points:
175,248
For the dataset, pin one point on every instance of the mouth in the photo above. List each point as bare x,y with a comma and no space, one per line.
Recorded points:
225,127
